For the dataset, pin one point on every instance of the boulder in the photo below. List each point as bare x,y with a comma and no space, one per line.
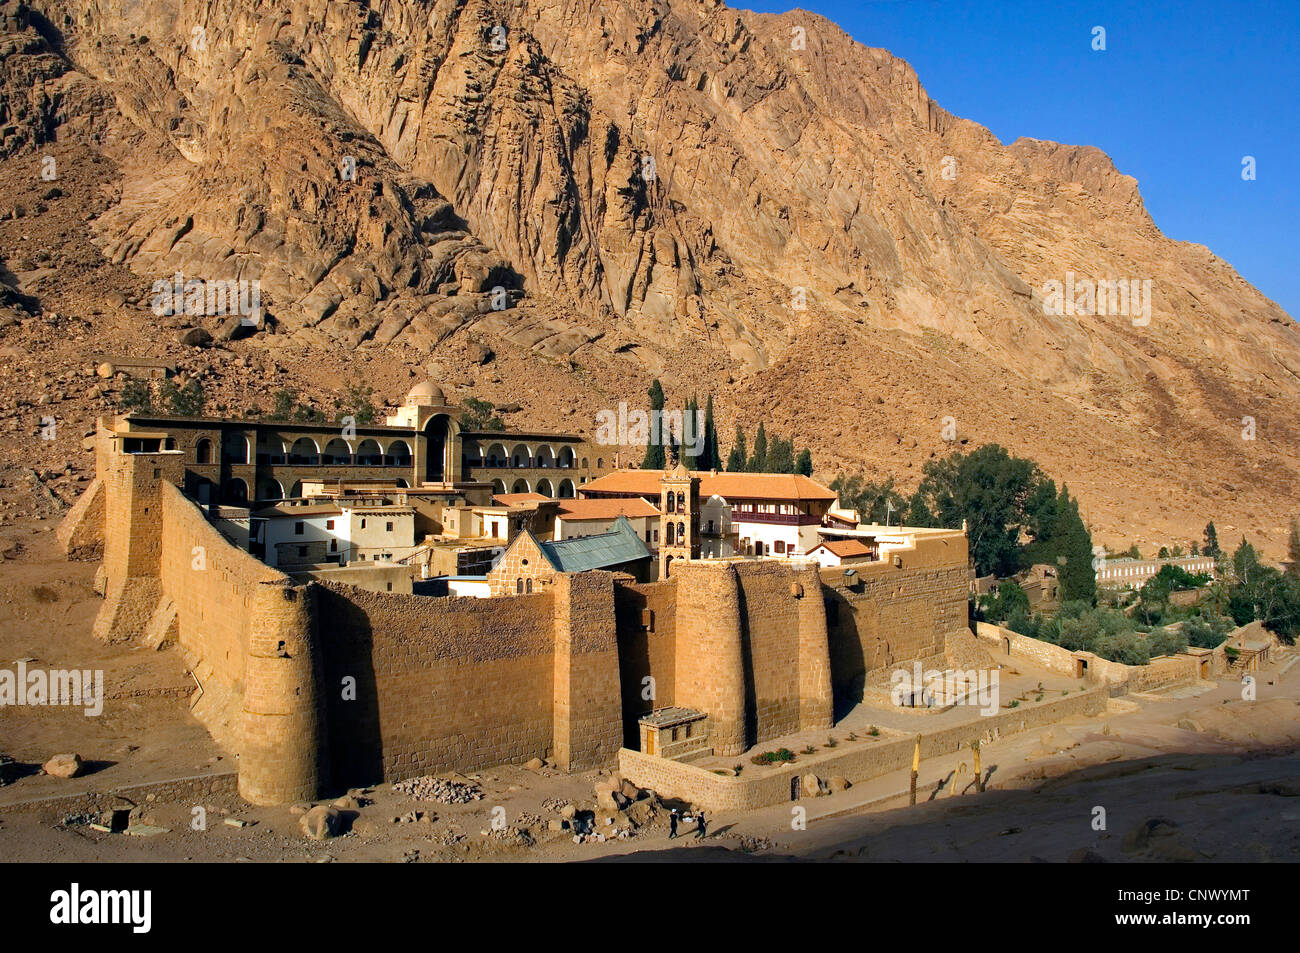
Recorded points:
64,766
321,823
810,785
1140,837
194,337
838,784
535,764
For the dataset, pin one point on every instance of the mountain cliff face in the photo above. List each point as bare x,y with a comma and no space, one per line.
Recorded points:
603,192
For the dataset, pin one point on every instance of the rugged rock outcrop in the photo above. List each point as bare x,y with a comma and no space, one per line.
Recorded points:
750,204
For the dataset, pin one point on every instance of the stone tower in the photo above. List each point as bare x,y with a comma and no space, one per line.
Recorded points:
679,517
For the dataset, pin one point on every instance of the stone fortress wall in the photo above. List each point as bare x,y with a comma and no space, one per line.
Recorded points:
323,686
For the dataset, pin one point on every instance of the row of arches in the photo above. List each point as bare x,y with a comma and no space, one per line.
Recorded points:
564,490
521,456
305,451
234,491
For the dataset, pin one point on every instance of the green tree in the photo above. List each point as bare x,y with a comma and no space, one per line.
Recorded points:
712,456
1293,550
736,459
1211,547
695,433
358,403
780,456
184,401
654,451
758,460
1010,601
478,415
988,489
1074,552
918,513
804,464
136,395
285,400
875,502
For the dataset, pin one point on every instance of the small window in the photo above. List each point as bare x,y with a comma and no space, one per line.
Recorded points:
298,528
329,524
389,526
363,523
528,585
390,587
334,545
519,586
302,551
780,546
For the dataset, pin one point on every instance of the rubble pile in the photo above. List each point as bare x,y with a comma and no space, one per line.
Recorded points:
430,788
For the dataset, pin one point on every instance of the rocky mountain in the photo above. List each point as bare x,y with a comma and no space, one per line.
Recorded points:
599,193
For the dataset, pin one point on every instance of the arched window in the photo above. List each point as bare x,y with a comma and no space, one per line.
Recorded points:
670,534
600,463
336,452
304,452
681,532
236,492
528,586
203,451
672,505
681,502
369,454
584,463
519,587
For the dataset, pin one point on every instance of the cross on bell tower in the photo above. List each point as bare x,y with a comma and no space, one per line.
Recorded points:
679,517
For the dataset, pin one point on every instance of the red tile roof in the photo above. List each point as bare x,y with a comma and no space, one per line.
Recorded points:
729,486
845,548
509,499
606,508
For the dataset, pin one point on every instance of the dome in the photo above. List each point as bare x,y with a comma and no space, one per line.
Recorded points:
426,393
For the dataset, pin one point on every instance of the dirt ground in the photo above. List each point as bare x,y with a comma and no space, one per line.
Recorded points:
1192,774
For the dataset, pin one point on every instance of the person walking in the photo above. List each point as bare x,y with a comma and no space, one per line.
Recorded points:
672,824
701,826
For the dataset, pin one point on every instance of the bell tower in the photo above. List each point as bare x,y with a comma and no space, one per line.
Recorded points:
679,518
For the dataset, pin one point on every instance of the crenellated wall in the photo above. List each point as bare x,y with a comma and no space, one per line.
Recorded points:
322,686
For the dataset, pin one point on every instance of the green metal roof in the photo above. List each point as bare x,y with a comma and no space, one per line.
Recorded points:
619,545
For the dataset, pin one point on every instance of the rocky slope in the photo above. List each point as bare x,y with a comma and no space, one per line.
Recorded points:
605,192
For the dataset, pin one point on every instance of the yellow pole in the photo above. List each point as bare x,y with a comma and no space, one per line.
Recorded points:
979,777
916,767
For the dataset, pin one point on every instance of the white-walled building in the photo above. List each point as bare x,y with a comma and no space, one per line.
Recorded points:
291,536
746,514
837,552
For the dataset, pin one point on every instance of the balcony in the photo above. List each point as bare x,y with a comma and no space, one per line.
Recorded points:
782,519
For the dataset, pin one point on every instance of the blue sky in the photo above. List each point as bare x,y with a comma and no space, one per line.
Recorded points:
1182,92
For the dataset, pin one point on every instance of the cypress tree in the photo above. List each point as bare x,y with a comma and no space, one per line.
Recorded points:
712,458
654,451
736,459
758,460
804,463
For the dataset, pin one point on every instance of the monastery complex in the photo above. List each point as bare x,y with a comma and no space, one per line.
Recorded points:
414,598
